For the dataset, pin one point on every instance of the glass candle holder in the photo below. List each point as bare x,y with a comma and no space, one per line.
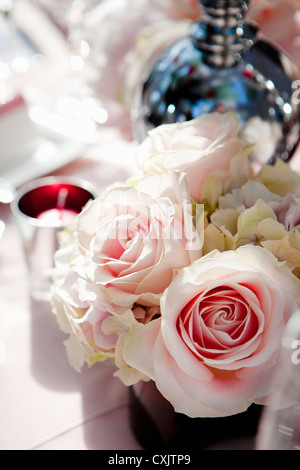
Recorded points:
42,208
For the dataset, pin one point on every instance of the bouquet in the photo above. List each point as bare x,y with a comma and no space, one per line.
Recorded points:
188,273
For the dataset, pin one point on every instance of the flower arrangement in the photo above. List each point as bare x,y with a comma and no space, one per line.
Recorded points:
188,273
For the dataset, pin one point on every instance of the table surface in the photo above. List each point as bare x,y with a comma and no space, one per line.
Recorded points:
44,403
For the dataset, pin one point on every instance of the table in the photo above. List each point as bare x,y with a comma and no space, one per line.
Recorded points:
44,403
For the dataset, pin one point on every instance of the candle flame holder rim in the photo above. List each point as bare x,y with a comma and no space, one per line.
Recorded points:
69,181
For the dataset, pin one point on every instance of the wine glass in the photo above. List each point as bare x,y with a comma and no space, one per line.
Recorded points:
18,54
279,428
76,96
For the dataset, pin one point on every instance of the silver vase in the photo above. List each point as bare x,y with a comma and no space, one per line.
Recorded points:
224,64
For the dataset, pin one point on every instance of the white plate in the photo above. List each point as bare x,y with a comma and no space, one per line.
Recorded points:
57,140
48,152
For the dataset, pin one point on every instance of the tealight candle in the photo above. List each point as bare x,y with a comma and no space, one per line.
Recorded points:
58,216
42,208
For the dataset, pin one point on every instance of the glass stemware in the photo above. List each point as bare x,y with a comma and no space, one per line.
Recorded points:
279,428
223,64
74,98
18,54
84,70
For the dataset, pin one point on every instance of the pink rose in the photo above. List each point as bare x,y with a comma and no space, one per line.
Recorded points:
288,211
84,313
279,21
131,239
197,147
214,348
96,326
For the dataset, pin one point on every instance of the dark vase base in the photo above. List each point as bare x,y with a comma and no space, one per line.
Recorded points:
156,425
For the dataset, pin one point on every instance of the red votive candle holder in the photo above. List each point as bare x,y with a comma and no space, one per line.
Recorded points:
42,208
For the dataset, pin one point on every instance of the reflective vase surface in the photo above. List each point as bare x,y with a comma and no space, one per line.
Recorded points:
156,425
223,64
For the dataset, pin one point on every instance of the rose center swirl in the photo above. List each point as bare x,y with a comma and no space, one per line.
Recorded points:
217,321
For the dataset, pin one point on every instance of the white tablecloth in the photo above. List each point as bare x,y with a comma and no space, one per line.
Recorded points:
44,403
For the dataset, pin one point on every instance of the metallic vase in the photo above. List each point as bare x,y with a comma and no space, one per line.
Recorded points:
224,64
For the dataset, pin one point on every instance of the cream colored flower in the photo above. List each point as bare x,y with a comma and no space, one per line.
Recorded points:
217,238
286,249
257,224
220,183
279,179
226,219
246,196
